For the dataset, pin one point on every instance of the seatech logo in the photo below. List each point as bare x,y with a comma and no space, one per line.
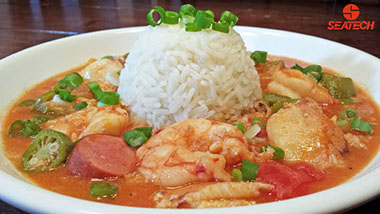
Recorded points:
351,12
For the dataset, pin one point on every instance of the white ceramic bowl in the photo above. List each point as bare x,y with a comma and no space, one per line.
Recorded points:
28,67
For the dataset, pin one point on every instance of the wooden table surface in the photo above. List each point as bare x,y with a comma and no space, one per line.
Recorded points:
27,23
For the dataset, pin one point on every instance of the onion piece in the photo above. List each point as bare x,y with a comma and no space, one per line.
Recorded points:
252,132
113,78
59,101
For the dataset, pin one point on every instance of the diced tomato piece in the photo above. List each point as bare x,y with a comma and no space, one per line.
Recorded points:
157,131
287,178
262,133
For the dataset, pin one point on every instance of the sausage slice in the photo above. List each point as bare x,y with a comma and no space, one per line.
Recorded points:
100,156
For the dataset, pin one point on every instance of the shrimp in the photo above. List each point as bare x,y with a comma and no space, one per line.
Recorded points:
103,70
296,85
91,120
221,194
306,134
193,150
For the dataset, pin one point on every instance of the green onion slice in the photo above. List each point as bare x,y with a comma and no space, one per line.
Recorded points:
66,95
187,9
29,102
81,105
107,57
249,170
150,18
348,113
240,126
103,190
60,85
229,18
187,19
95,89
259,56
108,98
210,13
203,19
170,18
315,70
258,120
191,27
74,79
146,130
361,125
278,152
71,81
221,27
236,175
135,138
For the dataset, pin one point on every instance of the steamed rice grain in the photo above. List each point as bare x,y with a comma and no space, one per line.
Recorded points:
171,75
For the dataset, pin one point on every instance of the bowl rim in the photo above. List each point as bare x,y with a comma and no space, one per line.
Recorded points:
28,197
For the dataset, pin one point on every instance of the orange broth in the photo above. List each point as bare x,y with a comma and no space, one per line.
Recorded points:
137,192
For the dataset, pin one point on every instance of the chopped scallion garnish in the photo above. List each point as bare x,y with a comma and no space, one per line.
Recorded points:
210,13
193,20
203,19
278,152
236,175
135,138
81,105
191,27
187,10
249,170
240,126
229,18
170,18
348,113
95,89
108,98
315,70
146,130
259,56
150,18
361,125
221,27
138,136
71,81
258,120
66,95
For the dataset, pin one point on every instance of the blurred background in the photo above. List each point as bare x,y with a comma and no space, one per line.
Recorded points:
26,23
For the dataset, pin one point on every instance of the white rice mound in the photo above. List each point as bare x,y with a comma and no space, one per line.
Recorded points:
171,75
